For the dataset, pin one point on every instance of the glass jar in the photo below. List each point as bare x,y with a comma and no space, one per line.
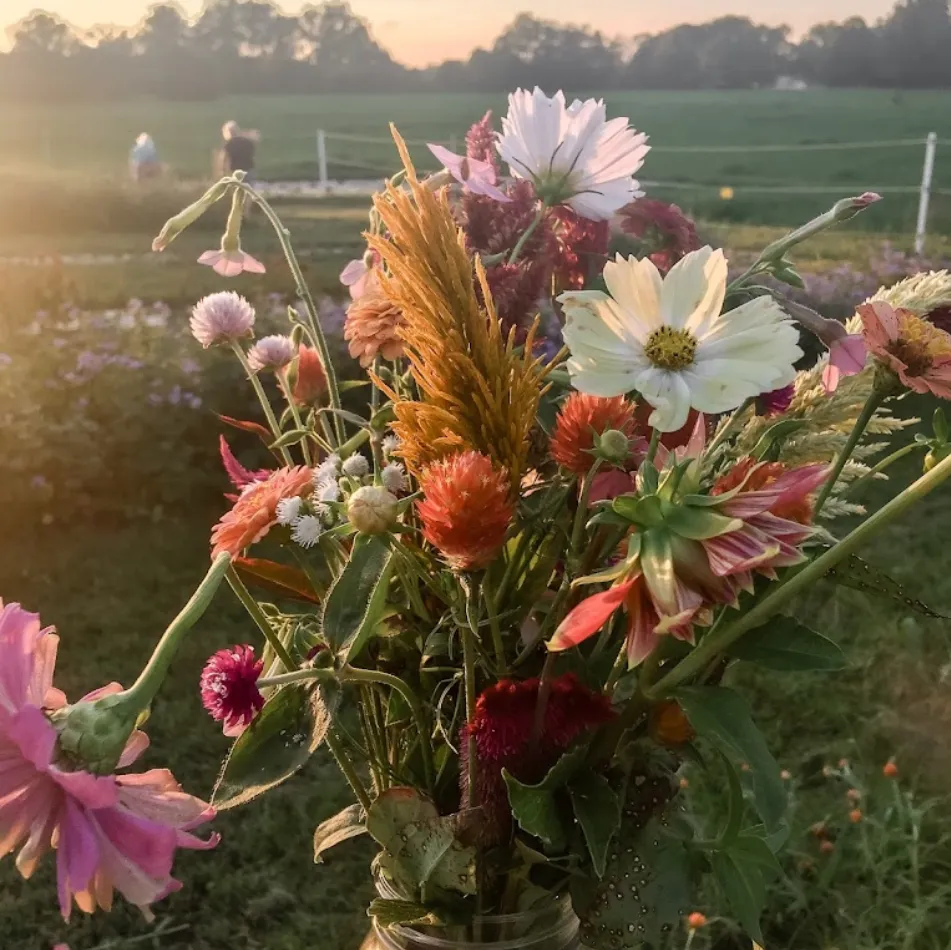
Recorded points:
553,928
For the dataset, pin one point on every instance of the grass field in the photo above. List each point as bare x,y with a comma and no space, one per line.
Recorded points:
92,140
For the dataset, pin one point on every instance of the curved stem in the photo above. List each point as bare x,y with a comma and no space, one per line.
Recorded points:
717,642
529,231
257,615
143,690
284,237
262,398
299,423
652,448
349,772
886,462
861,424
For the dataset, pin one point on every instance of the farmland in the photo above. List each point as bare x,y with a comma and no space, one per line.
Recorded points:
90,141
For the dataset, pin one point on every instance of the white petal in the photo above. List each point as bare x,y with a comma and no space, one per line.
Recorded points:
772,343
636,286
598,382
669,395
596,322
694,290
761,311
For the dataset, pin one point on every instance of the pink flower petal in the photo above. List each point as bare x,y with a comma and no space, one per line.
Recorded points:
252,265
210,258
588,617
354,271
77,855
608,485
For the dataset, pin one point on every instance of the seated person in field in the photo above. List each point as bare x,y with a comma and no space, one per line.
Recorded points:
238,149
143,159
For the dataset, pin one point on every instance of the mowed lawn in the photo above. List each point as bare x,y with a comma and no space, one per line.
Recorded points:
91,140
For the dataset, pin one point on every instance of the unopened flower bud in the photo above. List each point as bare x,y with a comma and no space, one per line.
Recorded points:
890,770
850,207
188,216
372,509
613,446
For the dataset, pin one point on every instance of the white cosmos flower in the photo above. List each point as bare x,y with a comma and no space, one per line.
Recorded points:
667,339
571,153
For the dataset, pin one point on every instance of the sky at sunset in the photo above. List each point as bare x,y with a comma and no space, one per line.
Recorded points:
420,32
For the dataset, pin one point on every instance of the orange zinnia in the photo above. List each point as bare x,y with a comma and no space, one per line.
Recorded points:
579,419
255,511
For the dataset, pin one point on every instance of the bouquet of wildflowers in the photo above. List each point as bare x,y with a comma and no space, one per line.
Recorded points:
501,579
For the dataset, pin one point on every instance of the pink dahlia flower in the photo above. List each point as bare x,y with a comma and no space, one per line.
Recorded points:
229,688
231,263
111,832
701,555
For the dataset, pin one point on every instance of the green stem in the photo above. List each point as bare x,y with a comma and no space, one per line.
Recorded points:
262,398
284,237
355,675
785,591
257,615
529,231
497,643
581,515
544,692
143,690
728,428
298,422
470,634
349,772
295,676
652,448
885,463
865,417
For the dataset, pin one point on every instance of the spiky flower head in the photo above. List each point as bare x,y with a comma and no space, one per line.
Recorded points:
221,318
229,690
307,531
581,418
372,328
355,466
394,478
289,510
466,510
271,352
480,140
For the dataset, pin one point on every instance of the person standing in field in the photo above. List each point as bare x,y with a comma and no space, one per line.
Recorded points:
143,159
238,149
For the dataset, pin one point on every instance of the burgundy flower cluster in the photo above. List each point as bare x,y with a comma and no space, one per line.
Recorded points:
664,232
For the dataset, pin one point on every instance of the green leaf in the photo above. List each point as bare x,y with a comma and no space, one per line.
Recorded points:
723,717
390,913
342,827
598,810
783,643
356,601
699,524
536,811
421,847
774,434
282,737
276,578
289,438
741,871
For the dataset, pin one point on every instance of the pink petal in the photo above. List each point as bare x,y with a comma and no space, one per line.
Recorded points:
147,844
354,271
227,267
34,736
92,791
210,258
20,634
879,324
588,617
849,354
739,551
110,689
450,160
137,744
156,795
608,485
239,475
252,265
40,691
77,855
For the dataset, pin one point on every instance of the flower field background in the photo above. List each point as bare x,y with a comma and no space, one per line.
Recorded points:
110,482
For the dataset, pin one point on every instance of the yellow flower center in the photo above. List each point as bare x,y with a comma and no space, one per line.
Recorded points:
671,349
920,343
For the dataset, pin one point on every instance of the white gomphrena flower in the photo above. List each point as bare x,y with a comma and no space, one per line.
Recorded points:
328,469
271,352
668,340
221,318
571,153
390,444
328,491
394,478
356,466
307,531
288,510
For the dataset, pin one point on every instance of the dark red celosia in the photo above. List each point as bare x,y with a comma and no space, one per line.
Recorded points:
665,233
516,289
941,318
582,246
480,141
229,689
777,401
503,725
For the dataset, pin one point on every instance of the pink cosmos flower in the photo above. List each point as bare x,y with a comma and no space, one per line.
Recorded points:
356,275
673,580
231,263
478,177
229,688
847,357
111,832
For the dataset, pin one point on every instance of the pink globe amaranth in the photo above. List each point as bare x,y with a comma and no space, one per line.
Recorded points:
221,318
229,688
111,832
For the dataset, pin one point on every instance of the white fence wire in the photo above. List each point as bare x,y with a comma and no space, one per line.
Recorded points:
924,189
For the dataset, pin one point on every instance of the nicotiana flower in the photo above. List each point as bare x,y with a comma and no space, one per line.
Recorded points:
466,510
667,339
687,554
229,689
221,318
110,832
478,177
572,154
271,352
579,420
231,263
915,350
255,511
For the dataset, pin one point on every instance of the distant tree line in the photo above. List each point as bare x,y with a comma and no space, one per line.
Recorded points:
251,47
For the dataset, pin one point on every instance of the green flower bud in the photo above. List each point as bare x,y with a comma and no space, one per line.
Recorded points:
93,735
613,446
175,225
372,509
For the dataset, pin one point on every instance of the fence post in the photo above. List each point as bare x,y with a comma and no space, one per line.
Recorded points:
322,159
927,173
